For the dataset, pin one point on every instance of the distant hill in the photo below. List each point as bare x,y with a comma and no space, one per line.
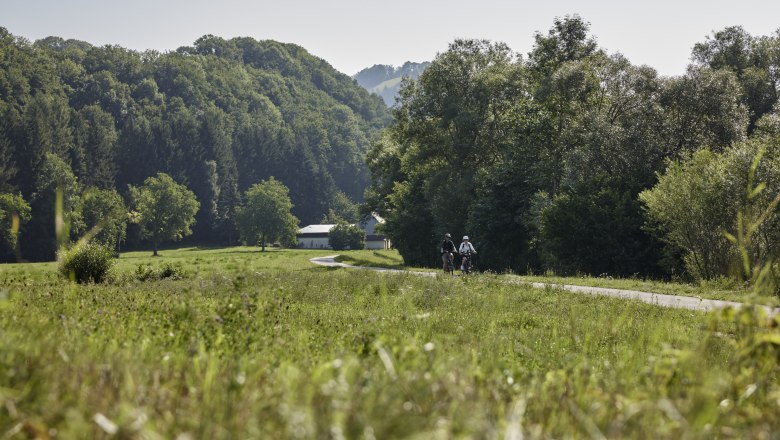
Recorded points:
385,80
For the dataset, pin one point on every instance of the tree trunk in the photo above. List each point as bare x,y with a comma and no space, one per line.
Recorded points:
262,242
154,243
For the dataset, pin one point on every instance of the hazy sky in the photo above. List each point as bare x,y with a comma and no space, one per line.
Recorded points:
352,34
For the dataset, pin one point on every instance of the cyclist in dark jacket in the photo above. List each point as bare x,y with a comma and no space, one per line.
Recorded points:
447,250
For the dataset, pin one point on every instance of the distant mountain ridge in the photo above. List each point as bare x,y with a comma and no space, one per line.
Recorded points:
385,80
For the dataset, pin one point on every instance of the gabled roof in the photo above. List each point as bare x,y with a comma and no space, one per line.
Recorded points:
377,217
373,215
316,229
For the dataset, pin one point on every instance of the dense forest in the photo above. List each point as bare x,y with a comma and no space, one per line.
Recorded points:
218,117
386,81
542,159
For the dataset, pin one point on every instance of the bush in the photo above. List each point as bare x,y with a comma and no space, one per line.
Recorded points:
345,236
167,270
88,262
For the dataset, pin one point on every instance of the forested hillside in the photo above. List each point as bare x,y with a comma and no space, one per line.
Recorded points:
218,116
541,159
385,80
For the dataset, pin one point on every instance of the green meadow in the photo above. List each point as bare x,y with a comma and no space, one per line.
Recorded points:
238,343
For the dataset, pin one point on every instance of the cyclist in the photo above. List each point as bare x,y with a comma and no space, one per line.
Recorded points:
446,250
466,249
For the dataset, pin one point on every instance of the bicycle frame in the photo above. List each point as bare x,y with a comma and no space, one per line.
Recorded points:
466,263
450,263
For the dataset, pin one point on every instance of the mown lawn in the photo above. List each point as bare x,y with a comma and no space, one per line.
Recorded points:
266,345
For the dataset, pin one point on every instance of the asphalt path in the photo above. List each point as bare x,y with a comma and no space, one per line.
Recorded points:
659,299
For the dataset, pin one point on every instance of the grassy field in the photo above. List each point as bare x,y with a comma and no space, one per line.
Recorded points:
721,289
266,345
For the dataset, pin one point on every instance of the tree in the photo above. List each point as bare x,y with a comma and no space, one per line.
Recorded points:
566,41
753,60
54,209
267,214
104,210
165,209
342,209
690,208
346,236
14,212
96,142
452,124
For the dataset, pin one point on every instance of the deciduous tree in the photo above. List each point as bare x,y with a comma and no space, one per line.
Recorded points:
166,210
267,214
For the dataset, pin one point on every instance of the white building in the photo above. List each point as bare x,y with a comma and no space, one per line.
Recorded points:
374,240
316,236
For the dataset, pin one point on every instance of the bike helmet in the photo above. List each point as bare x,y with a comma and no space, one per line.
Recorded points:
447,235
465,237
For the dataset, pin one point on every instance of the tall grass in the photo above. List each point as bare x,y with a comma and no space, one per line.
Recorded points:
255,345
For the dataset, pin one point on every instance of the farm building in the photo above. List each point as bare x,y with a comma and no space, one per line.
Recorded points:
374,240
316,236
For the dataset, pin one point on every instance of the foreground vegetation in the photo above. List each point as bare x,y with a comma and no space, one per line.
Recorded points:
246,344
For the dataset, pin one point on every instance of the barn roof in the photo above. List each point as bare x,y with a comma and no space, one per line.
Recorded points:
315,229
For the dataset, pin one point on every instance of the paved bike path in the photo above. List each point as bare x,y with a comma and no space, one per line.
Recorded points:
659,299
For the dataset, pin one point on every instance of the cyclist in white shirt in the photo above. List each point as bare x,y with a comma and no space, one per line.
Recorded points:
466,246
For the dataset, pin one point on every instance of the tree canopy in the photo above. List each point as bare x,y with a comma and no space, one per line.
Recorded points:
267,214
217,116
542,159
165,210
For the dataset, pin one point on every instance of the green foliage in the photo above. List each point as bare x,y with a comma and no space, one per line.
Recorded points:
697,200
346,236
103,216
54,209
166,270
86,262
754,60
218,117
342,208
165,209
757,256
267,214
566,41
265,345
481,134
14,213
596,228
691,207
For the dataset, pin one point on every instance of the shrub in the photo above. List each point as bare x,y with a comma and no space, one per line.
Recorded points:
345,236
88,262
167,270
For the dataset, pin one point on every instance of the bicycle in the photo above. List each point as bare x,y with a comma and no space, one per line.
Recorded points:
465,264
450,264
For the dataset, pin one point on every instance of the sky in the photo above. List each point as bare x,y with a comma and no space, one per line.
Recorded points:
355,34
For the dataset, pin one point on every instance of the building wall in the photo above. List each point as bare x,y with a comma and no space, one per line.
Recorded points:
376,244
313,243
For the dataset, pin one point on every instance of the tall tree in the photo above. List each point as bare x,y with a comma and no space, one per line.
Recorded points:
54,207
103,213
14,213
267,214
165,209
